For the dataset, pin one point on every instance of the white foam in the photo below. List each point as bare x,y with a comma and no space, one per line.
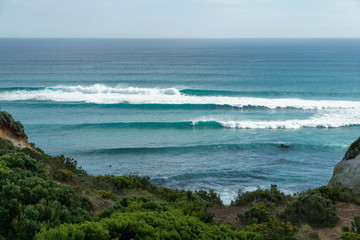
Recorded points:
102,94
327,119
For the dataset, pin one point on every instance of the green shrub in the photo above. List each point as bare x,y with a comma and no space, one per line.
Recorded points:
168,194
274,229
146,225
350,236
30,200
6,144
336,193
61,162
312,209
352,233
210,197
256,214
272,195
107,194
63,174
126,182
3,166
119,183
133,203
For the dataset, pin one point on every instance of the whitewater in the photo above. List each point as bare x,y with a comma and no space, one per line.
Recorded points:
102,94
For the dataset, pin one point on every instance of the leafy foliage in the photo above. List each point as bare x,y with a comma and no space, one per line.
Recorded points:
3,166
274,229
6,145
258,213
312,209
192,205
272,195
30,200
336,193
353,232
125,223
350,236
210,197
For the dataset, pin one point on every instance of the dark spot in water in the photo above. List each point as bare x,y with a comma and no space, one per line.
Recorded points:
284,146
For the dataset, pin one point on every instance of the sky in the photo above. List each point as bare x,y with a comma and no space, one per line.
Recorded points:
180,18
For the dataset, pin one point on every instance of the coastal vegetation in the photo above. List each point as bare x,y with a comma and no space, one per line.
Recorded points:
46,197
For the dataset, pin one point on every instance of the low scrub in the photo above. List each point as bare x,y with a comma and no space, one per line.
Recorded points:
210,197
270,196
313,209
258,213
352,232
30,200
146,224
336,193
274,229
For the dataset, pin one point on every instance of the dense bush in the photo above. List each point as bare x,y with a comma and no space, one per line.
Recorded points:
168,194
210,197
192,205
258,213
30,200
312,209
134,203
3,166
6,145
350,236
336,193
145,224
272,195
274,229
70,164
119,183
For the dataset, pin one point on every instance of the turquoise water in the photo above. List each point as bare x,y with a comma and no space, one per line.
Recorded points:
193,114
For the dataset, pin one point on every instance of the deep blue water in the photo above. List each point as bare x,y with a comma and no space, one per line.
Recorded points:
193,114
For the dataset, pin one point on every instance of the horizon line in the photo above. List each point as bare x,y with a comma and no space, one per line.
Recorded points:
181,38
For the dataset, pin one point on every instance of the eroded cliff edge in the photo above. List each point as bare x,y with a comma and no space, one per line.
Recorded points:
13,130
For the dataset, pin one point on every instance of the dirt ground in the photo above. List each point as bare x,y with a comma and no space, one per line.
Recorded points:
346,211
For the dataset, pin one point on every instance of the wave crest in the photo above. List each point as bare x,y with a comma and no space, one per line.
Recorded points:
102,94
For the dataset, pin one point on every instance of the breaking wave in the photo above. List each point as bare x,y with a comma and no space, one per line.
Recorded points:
102,94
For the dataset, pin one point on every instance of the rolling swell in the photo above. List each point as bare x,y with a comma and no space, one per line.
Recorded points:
201,92
21,89
139,125
211,147
315,122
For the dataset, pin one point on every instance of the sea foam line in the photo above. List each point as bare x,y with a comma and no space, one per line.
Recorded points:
327,119
102,94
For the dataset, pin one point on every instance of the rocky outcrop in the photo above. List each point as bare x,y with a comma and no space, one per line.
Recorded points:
347,171
18,141
13,130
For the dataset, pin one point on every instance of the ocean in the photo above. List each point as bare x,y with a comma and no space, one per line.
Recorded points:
222,114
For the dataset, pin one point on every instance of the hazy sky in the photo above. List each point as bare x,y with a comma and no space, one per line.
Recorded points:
179,18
